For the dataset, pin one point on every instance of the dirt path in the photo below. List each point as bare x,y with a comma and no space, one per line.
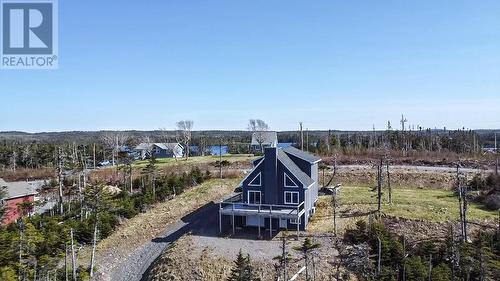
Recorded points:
129,251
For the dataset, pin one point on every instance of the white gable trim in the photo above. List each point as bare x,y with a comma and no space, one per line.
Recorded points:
285,176
259,175
243,180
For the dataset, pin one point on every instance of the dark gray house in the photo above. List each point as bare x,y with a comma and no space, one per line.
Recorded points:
279,193
159,150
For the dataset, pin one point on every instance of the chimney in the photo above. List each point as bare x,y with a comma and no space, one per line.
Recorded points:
270,175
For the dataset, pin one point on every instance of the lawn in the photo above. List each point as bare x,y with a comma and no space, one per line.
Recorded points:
435,205
198,160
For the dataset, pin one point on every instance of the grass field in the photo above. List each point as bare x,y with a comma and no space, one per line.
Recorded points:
198,160
434,205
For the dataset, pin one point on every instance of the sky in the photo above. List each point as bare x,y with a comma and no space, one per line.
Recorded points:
331,64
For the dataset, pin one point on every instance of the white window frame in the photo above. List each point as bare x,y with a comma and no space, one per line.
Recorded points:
291,197
284,181
254,191
259,175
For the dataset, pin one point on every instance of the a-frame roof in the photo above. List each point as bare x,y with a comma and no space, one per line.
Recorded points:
301,154
294,169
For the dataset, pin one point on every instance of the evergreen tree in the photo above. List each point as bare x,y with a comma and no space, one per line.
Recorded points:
243,270
150,172
307,247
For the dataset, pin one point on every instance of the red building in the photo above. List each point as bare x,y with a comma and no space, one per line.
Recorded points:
15,194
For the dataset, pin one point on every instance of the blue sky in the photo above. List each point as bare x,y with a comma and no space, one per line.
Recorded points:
331,64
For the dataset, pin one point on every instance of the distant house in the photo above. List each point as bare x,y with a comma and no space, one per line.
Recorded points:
266,139
160,150
279,193
16,193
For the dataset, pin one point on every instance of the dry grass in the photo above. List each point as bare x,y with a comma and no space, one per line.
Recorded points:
186,261
146,226
27,174
433,205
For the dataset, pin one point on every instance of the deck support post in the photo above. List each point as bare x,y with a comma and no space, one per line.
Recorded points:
220,220
259,226
270,227
298,225
233,222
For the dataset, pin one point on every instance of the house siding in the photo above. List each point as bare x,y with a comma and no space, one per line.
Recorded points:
249,178
273,185
12,213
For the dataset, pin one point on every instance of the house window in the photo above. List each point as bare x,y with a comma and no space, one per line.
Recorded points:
294,221
289,182
257,181
254,197
291,197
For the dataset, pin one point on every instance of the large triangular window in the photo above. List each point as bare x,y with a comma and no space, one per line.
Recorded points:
289,182
257,181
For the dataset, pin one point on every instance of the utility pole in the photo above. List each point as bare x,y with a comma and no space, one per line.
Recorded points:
307,139
94,156
301,137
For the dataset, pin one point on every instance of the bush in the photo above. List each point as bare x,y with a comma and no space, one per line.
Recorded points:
416,269
441,273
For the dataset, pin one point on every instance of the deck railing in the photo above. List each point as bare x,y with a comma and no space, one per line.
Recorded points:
236,202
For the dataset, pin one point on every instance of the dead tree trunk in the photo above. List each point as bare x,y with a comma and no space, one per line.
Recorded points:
379,260
496,167
94,243
66,262
379,186
60,176
430,267
334,205
460,206
389,189
465,206
131,182
73,256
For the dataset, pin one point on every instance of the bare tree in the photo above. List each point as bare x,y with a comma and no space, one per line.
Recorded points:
113,141
94,196
13,160
184,128
389,188
284,258
60,159
306,249
259,130
378,188
462,190
335,205
202,145
73,255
